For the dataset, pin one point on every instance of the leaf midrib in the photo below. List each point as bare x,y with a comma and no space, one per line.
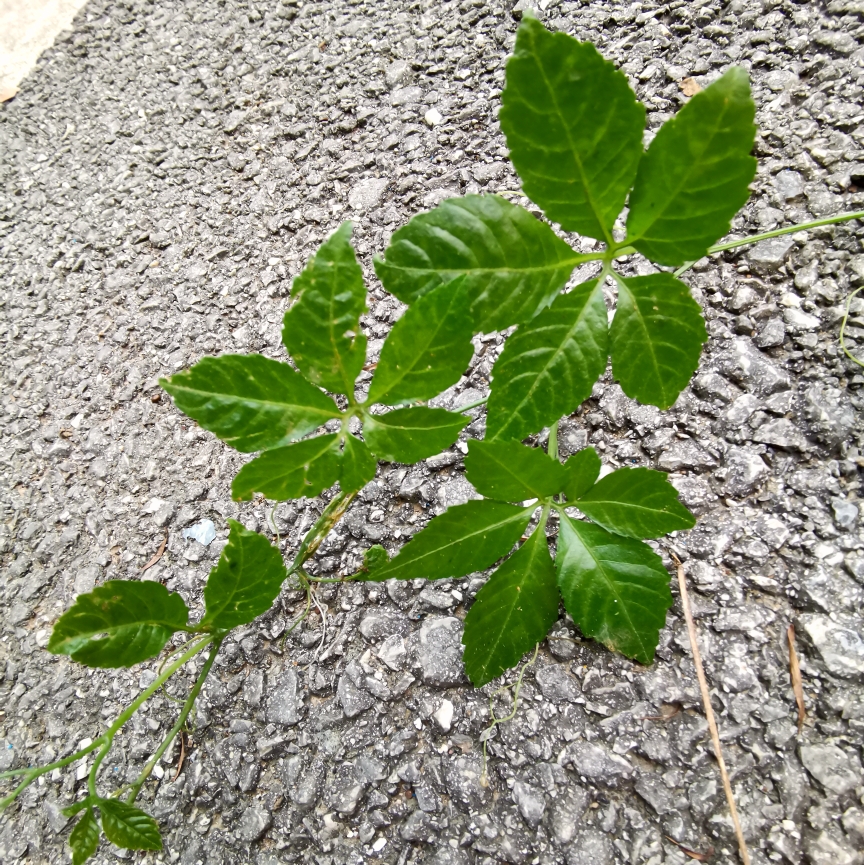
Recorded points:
646,341
266,403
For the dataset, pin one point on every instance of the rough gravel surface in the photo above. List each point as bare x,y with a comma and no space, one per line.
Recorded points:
166,170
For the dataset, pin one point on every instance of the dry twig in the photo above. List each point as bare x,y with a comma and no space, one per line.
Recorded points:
795,674
182,756
692,854
157,556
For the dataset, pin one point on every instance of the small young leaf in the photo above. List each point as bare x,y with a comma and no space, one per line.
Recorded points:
128,826
408,435
375,557
656,338
303,469
322,329
616,589
549,366
512,472
695,175
118,624
464,539
574,129
428,349
245,582
582,470
512,612
638,503
357,466
513,263
249,401
84,838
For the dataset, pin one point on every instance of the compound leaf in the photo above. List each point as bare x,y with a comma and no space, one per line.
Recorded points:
118,624
574,129
84,838
695,174
408,435
464,539
428,349
302,469
358,465
581,470
322,328
513,263
245,582
656,338
512,612
128,826
549,366
638,503
249,401
512,472
616,589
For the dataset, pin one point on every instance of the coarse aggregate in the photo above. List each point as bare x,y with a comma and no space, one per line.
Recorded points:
166,171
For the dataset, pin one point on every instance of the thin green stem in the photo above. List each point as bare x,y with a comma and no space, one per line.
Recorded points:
323,525
843,328
471,405
302,617
552,446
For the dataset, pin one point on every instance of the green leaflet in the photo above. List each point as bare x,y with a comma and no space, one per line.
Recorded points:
574,129
322,328
375,557
305,468
249,401
512,612
514,264
136,619
408,435
128,826
464,539
695,175
84,838
428,349
656,338
638,503
511,472
549,366
581,470
616,589
245,582
358,465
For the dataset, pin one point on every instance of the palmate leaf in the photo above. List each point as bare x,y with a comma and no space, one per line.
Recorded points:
249,401
408,435
512,472
549,366
656,338
428,349
84,838
128,826
322,328
695,174
358,465
118,624
513,264
245,581
574,129
464,539
581,471
638,503
616,589
512,612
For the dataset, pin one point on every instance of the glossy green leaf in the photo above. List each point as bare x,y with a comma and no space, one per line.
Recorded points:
696,173
375,557
636,502
512,612
574,129
78,807
549,366
245,582
84,838
656,338
514,264
581,470
128,826
357,466
512,472
118,624
428,349
408,435
322,328
616,589
249,401
305,468
464,539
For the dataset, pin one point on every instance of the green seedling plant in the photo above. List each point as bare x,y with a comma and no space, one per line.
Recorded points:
552,530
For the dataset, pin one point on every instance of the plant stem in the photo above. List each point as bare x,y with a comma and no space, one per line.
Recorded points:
843,328
323,525
552,446
471,405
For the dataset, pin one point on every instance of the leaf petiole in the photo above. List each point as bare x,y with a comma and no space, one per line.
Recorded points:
843,328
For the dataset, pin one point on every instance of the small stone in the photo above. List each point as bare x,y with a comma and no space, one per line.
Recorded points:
397,73
839,643
392,652
789,185
769,255
566,812
781,433
845,513
85,579
772,334
406,95
235,118
745,364
829,416
556,685
830,849
599,764
440,651
203,532
444,715
367,194
284,704
462,777
685,454
740,411
433,117
253,824
353,699
160,510
530,802
308,790
383,623
590,847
